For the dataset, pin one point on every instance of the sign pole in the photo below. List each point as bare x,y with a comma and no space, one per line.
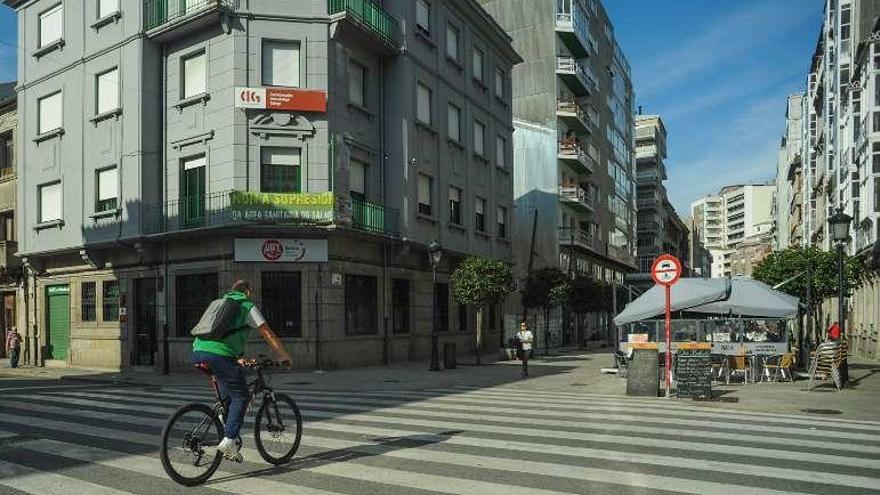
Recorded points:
668,340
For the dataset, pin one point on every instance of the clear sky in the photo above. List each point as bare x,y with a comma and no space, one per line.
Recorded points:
717,71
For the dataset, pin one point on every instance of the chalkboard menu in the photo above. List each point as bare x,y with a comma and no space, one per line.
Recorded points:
693,371
644,371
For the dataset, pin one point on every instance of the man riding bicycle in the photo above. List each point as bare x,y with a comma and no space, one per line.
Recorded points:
224,358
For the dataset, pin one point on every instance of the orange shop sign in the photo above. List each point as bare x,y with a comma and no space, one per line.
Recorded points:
299,100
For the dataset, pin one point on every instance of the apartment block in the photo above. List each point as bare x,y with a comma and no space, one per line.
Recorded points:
574,173
660,230
10,266
315,148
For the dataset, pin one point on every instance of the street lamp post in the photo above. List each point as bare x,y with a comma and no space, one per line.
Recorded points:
435,252
839,229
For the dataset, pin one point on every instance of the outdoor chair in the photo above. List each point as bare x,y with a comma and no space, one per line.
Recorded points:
622,360
739,365
782,366
718,364
826,362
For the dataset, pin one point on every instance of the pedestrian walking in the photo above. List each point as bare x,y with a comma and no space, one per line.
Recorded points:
13,346
524,340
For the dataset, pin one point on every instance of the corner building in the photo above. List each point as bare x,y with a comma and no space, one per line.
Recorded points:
169,148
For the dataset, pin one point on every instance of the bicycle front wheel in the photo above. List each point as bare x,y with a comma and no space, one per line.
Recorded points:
189,444
278,429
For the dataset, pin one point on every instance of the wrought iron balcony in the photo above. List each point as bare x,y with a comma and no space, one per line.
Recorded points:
572,114
373,217
367,21
572,152
576,75
577,197
577,237
161,17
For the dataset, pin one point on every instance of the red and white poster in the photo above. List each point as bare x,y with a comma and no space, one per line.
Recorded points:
292,99
272,250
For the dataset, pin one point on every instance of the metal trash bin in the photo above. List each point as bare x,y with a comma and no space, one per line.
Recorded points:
449,356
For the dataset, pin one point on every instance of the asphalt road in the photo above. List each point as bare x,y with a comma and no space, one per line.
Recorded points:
77,438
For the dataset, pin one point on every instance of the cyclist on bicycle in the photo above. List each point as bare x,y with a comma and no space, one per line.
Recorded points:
224,358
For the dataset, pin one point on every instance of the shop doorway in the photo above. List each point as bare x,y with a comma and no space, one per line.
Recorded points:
144,324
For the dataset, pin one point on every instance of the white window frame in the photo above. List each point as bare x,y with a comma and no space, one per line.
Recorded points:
357,91
293,79
187,90
106,8
501,220
455,194
56,212
112,87
102,192
479,209
426,181
479,138
453,131
43,42
48,126
419,103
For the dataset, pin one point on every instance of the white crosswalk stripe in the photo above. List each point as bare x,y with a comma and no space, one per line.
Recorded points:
456,441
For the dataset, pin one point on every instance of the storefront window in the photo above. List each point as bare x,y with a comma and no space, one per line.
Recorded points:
282,302
360,305
110,298
194,294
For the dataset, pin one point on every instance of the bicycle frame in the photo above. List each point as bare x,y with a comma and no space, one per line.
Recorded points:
255,387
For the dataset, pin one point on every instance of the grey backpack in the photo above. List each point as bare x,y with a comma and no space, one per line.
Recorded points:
218,320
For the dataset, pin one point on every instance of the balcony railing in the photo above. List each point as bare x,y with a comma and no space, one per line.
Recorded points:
573,113
573,153
621,255
577,196
161,12
578,237
371,17
239,208
576,75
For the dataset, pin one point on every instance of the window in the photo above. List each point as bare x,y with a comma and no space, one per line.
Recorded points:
193,294
499,83
357,183
7,226
455,205
108,190
357,84
88,301
49,113
107,97
441,302
423,17
454,122
501,216
52,25
193,191
845,20
360,305
282,302
423,104
426,186
194,75
500,151
50,202
480,211
110,300
280,63
399,306
452,42
107,7
280,170
7,154
875,157
479,135
876,194
478,64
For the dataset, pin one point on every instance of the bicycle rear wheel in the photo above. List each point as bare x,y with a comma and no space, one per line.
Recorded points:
189,440
278,429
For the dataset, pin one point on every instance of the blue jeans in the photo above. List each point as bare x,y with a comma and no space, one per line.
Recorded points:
233,385
13,356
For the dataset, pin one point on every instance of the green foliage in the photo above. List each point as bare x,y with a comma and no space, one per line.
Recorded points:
822,265
545,288
480,281
589,295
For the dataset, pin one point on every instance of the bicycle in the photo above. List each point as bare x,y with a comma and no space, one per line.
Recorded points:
192,433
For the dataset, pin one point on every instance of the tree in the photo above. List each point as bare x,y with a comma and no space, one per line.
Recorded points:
546,288
794,264
481,282
589,296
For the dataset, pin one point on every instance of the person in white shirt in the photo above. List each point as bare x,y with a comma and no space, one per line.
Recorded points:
524,341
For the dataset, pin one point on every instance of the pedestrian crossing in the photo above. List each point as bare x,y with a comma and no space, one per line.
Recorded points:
104,440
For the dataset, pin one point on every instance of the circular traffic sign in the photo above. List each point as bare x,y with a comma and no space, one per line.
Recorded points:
666,270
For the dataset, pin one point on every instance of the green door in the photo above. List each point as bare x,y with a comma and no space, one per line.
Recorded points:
58,298
194,197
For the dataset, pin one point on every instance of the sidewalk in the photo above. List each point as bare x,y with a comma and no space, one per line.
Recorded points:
571,374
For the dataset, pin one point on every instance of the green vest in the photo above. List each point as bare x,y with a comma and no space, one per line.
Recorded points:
233,345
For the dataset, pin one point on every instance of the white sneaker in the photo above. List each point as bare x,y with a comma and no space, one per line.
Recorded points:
229,448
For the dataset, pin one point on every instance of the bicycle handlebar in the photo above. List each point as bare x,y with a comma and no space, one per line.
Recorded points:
262,362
